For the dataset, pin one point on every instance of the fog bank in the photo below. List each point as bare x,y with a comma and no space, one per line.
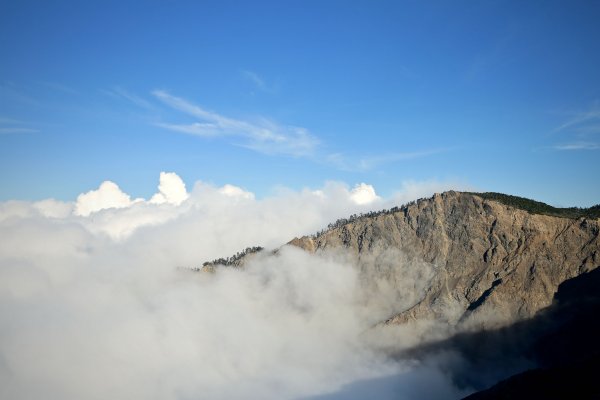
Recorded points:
94,305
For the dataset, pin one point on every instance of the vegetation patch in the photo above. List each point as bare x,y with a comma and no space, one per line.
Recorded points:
537,207
236,259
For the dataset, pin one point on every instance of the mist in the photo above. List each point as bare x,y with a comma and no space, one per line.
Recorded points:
97,300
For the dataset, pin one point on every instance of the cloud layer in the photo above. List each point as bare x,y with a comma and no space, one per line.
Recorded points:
94,305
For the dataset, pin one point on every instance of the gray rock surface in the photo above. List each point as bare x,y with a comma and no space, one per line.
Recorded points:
492,264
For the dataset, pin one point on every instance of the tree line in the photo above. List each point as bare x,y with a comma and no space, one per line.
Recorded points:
234,260
537,207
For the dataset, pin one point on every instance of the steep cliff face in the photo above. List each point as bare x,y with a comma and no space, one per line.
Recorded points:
492,263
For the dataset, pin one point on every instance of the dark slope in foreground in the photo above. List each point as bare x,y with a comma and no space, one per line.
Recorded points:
562,340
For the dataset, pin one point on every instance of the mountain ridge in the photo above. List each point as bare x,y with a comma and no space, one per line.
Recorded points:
522,203
493,263
485,252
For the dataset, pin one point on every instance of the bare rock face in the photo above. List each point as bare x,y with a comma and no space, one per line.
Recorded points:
492,264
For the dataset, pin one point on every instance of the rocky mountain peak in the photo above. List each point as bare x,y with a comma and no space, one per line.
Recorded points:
490,258
494,258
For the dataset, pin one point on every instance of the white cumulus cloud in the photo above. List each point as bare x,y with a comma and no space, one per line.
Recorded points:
363,194
235,191
171,189
108,195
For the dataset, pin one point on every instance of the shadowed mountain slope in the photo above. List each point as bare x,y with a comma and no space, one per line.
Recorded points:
561,341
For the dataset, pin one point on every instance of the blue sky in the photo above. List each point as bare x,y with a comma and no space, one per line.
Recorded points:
499,95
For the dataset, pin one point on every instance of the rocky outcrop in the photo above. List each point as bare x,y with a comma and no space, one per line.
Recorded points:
492,263
552,355
485,263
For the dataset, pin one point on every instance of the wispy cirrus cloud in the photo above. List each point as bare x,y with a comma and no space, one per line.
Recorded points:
259,82
139,101
14,126
12,93
255,79
4,120
262,135
59,87
584,128
589,129
578,146
368,163
8,130
580,120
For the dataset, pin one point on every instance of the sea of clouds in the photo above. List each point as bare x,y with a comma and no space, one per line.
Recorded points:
94,303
